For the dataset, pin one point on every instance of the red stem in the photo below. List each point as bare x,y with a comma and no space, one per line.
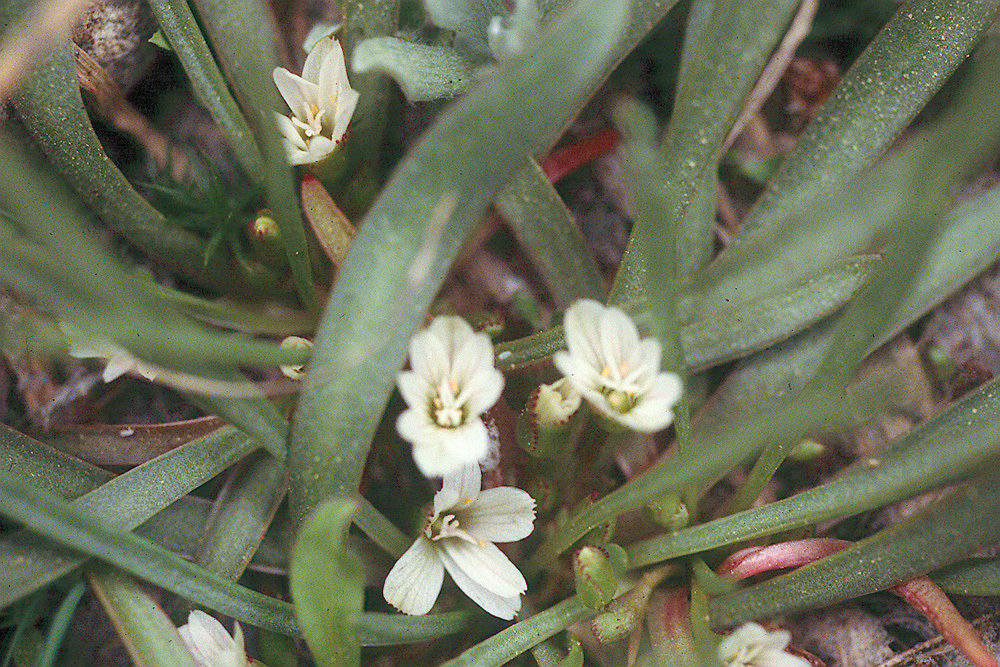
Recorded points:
563,160
922,593
932,602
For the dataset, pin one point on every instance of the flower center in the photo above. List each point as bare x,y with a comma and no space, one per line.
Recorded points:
620,398
312,125
448,526
448,407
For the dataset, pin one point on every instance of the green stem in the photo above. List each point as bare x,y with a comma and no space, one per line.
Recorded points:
511,642
60,624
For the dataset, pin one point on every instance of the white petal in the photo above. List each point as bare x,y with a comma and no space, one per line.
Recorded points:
483,390
462,486
484,563
318,56
297,92
346,104
413,583
209,643
291,134
415,389
320,148
438,451
502,606
430,357
503,514
582,332
117,366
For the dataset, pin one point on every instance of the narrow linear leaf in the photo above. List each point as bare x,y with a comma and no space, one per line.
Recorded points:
899,71
952,528
368,20
124,502
976,576
185,36
423,72
549,234
708,101
50,106
75,529
242,35
327,585
511,642
150,637
946,448
46,468
89,288
889,83
242,515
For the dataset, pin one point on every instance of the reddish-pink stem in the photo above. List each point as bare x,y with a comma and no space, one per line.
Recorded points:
754,560
669,622
921,592
933,603
563,160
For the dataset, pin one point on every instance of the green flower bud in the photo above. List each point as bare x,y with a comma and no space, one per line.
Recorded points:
807,450
543,426
668,511
625,612
264,238
596,581
295,371
942,366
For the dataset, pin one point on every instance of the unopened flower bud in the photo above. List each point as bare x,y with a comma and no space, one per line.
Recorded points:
597,571
295,371
807,450
668,511
626,611
942,366
264,238
543,426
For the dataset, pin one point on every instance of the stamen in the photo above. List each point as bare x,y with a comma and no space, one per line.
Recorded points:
450,528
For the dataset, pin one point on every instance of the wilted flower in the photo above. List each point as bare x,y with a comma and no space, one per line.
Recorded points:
618,374
458,536
453,381
119,361
322,103
209,643
751,645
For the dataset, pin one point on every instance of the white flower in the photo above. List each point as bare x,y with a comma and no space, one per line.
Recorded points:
322,103
751,645
209,643
458,536
453,381
119,360
294,371
616,373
